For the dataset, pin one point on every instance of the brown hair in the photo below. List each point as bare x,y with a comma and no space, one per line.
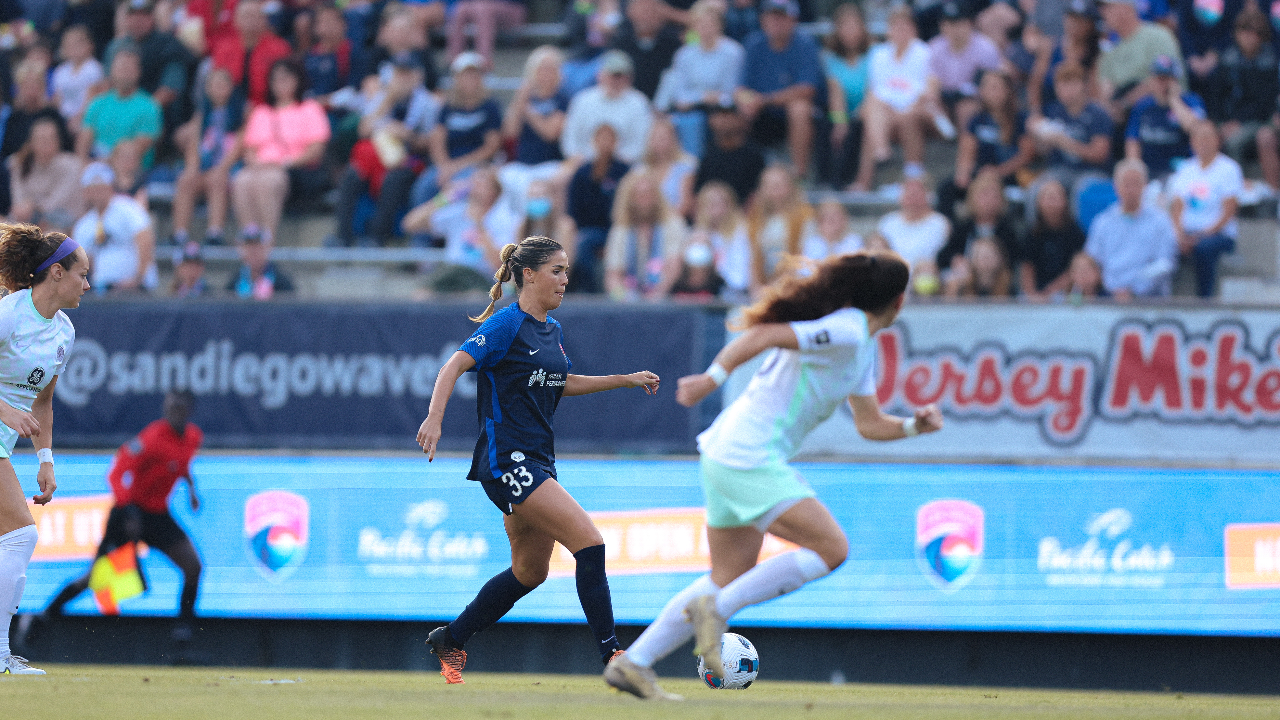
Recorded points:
869,281
532,252
834,43
1252,19
23,248
1067,72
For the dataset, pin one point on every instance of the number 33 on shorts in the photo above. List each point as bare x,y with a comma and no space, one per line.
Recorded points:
518,479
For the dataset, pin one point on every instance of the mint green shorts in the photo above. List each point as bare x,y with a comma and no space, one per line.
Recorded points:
737,498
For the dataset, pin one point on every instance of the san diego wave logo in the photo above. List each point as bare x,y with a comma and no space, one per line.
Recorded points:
276,530
949,541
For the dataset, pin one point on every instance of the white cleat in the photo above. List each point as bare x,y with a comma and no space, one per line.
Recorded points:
625,675
708,628
14,665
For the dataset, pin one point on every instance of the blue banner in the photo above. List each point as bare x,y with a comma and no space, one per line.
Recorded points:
965,547
315,375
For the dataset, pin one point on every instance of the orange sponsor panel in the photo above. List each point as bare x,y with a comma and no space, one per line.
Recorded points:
70,527
1252,555
665,540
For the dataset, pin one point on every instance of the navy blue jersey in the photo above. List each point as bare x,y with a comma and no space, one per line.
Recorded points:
521,369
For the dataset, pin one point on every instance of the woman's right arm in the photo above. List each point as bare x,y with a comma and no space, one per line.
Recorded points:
691,389
429,432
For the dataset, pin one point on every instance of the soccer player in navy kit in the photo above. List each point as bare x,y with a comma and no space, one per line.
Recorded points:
522,372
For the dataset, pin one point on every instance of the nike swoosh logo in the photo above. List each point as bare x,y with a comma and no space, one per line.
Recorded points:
534,352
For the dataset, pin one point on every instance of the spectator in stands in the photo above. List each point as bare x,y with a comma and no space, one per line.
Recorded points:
731,158
284,141
956,57
125,113
1047,251
1135,244
591,196
995,138
777,223
475,227
741,18
982,271
697,279
1157,133
719,216
1122,68
209,159
30,103
1078,45
673,167
188,273
44,180
649,41
487,17
703,74
614,101
901,101
401,33
845,62
131,177
395,131
781,82
165,62
467,133
257,278
1205,195
1074,135
542,218
117,233
1204,32
1085,278
534,123
250,52
642,255
1242,91
986,217
78,77
217,18
328,61
917,233
589,29
831,235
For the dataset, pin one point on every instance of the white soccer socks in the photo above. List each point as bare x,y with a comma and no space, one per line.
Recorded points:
671,629
776,576
16,548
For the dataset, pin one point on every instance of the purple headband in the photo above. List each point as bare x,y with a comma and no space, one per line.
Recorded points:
67,247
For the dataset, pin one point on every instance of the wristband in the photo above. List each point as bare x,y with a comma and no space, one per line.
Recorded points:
838,117
45,455
717,373
910,427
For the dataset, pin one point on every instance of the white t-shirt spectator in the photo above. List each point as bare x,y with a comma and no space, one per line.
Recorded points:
71,85
461,240
899,82
817,248
1203,190
109,239
629,114
918,241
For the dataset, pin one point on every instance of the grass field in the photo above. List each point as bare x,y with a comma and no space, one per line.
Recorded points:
91,692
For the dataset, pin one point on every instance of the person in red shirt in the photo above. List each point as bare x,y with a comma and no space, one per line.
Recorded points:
142,476
250,51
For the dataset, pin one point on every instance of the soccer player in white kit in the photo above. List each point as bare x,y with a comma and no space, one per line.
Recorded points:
43,273
819,332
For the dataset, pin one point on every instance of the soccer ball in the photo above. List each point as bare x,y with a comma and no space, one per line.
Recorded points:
741,664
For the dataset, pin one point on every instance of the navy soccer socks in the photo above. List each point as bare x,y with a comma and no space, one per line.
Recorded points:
593,593
493,601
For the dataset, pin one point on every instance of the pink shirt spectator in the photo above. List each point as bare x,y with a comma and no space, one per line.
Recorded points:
280,135
957,70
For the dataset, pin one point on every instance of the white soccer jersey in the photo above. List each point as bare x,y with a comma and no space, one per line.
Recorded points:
794,391
33,350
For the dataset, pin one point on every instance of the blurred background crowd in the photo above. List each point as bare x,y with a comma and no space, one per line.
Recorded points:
1039,149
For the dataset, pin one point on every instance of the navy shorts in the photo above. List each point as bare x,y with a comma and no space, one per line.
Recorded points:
516,484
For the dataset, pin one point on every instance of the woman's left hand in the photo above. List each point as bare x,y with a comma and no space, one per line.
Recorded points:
645,379
928,419
47,484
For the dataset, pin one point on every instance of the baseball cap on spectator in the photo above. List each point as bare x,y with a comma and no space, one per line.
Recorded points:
617,62
1164,66
789,7
141,6
469,60
98,173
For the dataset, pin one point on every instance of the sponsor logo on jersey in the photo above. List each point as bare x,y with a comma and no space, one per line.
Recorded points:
949,541
62,353
36,376
538,377
517,456
822,338
276,531
477,339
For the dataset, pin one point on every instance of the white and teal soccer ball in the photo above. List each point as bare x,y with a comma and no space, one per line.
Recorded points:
741,664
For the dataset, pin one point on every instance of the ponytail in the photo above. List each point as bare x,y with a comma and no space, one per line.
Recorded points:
532,252
23,249
867,280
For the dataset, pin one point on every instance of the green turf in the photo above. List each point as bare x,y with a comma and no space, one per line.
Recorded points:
90,692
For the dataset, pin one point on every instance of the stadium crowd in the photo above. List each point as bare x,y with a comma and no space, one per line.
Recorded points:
673,147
